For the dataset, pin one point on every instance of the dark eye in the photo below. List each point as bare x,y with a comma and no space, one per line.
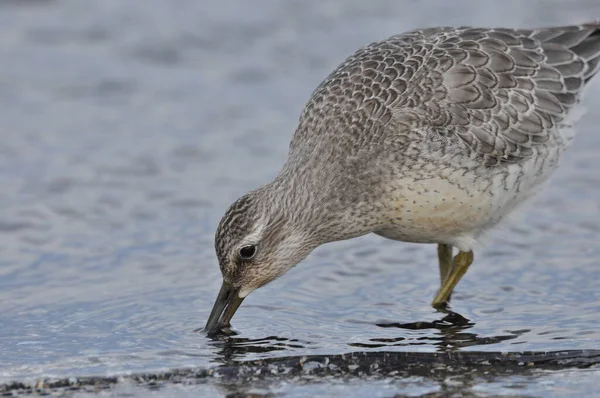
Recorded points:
247,252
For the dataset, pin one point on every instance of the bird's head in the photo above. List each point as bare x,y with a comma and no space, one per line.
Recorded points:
256,242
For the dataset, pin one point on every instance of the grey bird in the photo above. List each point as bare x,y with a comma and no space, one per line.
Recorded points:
431,136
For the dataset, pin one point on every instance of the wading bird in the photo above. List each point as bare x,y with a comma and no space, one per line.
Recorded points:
431,136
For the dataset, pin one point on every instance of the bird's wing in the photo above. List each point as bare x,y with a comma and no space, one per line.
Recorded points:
500,90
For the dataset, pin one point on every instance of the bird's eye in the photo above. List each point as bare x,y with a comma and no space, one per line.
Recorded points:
247,252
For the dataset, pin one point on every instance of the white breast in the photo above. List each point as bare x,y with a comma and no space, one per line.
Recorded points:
457,208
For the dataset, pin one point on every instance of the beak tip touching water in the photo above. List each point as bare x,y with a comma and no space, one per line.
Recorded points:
226,304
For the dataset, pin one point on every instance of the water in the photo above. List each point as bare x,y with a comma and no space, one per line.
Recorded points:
129,127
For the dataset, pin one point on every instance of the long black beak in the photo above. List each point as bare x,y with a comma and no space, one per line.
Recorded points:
228,301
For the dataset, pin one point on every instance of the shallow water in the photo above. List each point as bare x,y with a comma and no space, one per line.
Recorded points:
129,127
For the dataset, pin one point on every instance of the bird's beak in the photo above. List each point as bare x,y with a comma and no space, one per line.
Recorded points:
228,301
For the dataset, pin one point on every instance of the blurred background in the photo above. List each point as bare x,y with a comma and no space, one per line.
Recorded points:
128,127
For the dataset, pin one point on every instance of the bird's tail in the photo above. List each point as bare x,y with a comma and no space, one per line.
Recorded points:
574,52
583,41
589,50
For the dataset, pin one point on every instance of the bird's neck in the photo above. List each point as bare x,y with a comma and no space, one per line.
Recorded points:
322,204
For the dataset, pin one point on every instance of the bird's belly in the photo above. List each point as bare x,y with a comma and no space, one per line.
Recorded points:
432,211
457,210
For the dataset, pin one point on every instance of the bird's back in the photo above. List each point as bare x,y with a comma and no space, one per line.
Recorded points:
500,93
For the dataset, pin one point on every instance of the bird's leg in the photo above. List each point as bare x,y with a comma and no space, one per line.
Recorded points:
459,267
445,261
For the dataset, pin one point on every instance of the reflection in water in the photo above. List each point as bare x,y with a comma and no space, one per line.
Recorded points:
229,348
451,334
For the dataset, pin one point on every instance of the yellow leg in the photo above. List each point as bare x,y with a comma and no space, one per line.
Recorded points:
445,261
460,265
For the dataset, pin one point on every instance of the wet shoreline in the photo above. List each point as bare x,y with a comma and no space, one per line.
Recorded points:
354,364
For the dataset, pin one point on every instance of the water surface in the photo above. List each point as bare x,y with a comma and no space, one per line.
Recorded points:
129,127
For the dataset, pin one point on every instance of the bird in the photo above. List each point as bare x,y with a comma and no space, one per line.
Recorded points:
431,136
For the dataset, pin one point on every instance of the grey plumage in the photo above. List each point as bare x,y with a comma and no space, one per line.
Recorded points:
501,91
430,136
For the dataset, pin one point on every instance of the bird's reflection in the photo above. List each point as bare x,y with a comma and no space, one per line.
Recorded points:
456,374
447,334
451,334
228,347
